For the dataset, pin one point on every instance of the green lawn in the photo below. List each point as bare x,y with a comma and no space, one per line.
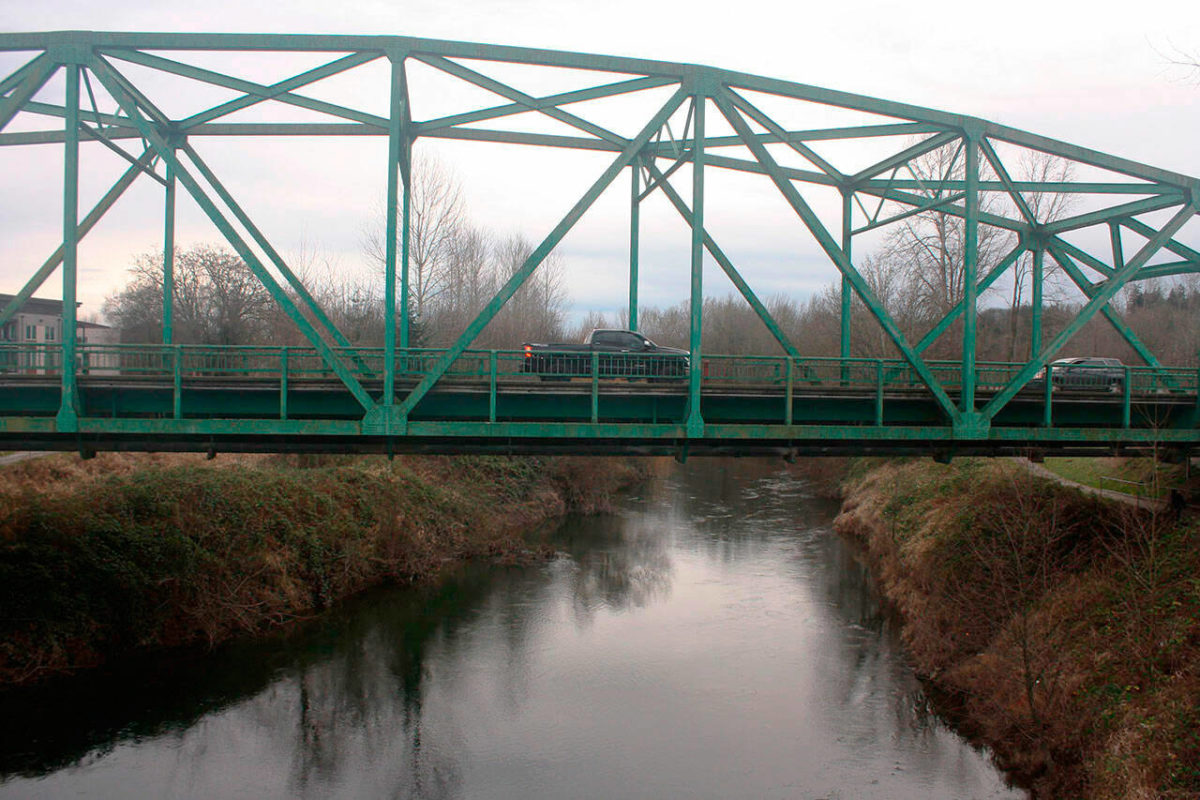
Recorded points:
1136,476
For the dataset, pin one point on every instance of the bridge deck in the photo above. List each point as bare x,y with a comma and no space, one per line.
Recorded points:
264,400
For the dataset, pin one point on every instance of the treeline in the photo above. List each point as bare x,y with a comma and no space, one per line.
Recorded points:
456,267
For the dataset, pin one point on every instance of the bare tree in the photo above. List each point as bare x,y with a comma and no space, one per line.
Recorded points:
471,282
538,308
930,247
216,299
436,220
1046,207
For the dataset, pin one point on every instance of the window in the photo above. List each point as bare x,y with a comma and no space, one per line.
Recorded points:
31,333
49,333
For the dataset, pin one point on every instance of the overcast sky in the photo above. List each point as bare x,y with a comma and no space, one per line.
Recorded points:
1071,70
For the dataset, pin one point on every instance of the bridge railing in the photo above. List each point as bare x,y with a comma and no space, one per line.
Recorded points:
187,362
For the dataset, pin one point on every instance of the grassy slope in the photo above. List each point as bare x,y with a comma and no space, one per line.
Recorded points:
125,551
1068,628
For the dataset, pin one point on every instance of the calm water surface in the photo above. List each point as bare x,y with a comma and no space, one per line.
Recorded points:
711,639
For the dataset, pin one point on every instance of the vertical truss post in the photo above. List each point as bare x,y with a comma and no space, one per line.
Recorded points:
1035,322
970,268
68,413
1118,253
847,289
168,300
405,242
389,275
695,422
634,225
401,109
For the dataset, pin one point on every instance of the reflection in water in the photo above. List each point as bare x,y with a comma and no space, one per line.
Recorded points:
712,639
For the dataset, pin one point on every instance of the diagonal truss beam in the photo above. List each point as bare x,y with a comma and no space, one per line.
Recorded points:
248,87
35,75
1176,247
838,256
115,84
1111,213
272,254
1098,300
1089,289
540,103
781,135
904,156
726,265
50,264
1018,199
313,75
99,136
932,205
14,78
537,256
1084,256
531,103
984,284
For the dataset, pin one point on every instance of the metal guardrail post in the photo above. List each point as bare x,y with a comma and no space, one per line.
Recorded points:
283,383
791,373
1126,392
492,369
595,386
1047,391
879,393
177,395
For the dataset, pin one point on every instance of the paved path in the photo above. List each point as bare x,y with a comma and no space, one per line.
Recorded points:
25,455
1152,503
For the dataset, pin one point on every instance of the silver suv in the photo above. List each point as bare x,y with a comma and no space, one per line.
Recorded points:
1084,373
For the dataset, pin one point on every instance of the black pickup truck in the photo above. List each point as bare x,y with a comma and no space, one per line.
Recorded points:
619,354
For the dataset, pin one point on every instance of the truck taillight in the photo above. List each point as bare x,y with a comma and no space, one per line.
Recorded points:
528,351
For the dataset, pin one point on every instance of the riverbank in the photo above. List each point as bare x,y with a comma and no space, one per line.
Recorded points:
130,552
1065,629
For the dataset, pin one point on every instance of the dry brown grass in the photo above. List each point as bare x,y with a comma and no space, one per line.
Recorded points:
1067,629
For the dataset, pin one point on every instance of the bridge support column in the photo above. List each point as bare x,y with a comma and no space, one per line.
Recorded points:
68,412
695,421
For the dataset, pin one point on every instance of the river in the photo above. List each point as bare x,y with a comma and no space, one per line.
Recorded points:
711,638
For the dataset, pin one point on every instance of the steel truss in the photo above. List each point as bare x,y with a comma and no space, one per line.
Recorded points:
105,104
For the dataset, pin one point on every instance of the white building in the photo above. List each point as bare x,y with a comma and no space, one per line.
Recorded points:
39,322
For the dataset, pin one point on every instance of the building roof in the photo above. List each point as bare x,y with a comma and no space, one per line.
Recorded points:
36,305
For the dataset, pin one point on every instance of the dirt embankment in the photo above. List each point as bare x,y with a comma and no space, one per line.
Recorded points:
1064,629
123,552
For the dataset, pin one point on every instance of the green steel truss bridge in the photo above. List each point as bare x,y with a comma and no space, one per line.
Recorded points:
329,395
